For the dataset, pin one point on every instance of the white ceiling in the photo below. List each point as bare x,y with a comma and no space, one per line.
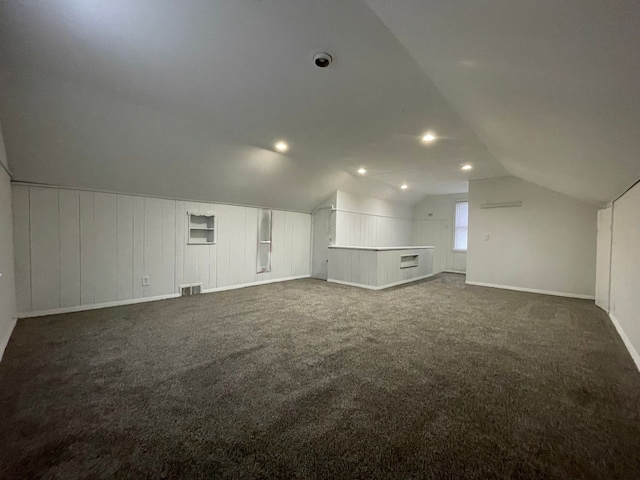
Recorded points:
185,98
552,87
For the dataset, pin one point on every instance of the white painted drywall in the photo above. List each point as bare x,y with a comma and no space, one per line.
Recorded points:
7,284
603,257
82,248
625,269
433,224
548,244
371,222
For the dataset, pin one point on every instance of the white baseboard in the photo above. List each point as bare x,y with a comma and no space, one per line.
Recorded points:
455,271
95,306
4,341
372,287
627,343
253,284
532,290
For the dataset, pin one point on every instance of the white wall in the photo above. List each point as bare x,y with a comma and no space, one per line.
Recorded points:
548,244
323,228
625,270
603,257
370,222
7,284
79,248
433,225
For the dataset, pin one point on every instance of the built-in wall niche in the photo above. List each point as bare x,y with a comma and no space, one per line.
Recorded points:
408,261
202,229
263,263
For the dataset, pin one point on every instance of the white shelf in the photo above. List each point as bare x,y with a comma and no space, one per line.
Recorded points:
201,229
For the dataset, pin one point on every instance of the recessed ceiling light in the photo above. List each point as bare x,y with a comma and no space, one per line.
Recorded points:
282,147
404,186
467,167
429,137
362,171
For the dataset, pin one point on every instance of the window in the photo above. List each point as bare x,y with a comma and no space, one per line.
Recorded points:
462,226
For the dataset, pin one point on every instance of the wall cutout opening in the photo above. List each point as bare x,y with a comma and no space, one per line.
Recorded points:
408,261
201,229
264,240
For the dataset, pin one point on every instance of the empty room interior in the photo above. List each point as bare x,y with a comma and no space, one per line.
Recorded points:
320,239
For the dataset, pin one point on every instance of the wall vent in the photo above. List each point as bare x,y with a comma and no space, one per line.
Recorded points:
195,289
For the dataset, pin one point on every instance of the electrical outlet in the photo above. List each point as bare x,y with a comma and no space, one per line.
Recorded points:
145,281
485,236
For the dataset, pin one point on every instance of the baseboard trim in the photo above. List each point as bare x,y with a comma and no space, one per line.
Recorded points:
627,343
5,340
532,290
455,271
253,284
372,287
96,306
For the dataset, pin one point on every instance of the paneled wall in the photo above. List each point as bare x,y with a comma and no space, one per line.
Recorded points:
370,222
433,225
7,284
76,248
365,230
624,302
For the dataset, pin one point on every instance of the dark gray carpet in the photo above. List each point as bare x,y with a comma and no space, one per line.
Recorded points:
313,380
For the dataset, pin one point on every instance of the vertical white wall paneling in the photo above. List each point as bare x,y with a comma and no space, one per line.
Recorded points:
625,270
82,248
138,246
191,257
7,265
106,254
22,247
87,249
603,258
181,241
434,219
153,246
124,229
204,251
224,240
250,245
237,243
278,244
169,246
213,249
301,244
45,248
69,248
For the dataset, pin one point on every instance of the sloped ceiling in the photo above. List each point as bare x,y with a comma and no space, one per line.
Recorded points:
552,87
186,99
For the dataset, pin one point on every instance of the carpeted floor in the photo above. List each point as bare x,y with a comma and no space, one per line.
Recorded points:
307,379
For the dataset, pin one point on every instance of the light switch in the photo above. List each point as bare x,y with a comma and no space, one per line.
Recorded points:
485,236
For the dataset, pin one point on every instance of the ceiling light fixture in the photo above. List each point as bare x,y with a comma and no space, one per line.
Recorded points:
404,186
429,137
467,167
362,171
282,147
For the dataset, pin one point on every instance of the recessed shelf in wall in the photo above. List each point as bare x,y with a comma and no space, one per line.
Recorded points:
408,261
201,229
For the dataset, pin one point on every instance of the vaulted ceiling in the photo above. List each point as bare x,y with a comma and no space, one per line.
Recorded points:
186,99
